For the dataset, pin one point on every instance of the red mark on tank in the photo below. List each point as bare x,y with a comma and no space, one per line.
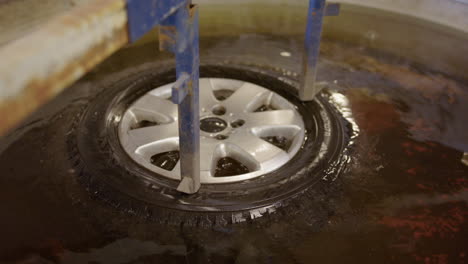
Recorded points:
411,148
428,223
424,187
373,115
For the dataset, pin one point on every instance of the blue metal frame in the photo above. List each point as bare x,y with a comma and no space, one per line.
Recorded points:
178,21
317,10
187,96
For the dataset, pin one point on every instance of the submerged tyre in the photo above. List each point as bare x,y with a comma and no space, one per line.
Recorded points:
261,147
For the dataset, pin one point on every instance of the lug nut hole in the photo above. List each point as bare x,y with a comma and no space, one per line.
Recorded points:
221,137
237,123
219,110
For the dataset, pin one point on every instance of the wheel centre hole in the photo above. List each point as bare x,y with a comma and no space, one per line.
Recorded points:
212,124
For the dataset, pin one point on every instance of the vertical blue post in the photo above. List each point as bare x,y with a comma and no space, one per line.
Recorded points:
178,20
313,34
187,96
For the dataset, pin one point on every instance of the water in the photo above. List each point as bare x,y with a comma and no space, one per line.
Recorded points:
403,198
229,167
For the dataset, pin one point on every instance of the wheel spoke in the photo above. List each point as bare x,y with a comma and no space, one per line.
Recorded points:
176,170
155,104
243,97
141,137
208,149
257,149
207,98
272,118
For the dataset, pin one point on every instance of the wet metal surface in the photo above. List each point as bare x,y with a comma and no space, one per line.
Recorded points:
403,198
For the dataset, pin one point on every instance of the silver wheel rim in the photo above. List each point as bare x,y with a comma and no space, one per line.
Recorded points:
255,120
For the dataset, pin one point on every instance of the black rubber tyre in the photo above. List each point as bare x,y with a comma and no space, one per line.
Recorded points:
110,175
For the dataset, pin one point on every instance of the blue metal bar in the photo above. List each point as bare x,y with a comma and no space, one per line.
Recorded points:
178,21
317,10
187,63
179,34
180,88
